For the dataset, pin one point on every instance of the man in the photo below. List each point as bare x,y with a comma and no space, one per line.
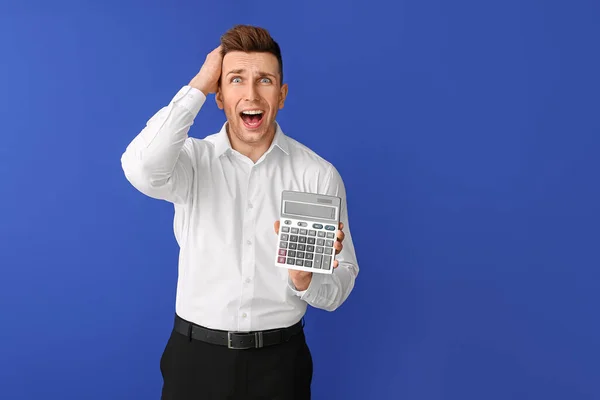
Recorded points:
226,191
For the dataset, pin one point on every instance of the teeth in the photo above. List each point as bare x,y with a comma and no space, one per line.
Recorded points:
252,112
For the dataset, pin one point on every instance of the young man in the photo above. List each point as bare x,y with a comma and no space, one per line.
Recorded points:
238,327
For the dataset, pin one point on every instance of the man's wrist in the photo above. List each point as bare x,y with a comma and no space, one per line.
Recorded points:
196,84
302,283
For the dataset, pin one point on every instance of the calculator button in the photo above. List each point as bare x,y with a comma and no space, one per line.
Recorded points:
303,231
309,256
311,241
321,234
328,250
282,252
299,254
302,224
283,245
290,261
310,248
287,222
301,247
285,228
294,230
294,238
302,239
330,235
292,246
281,260
317,226
321,242
308,263
329,243
319,250
292,253
299,262
318,260
326,262
284,236
312,233
329,228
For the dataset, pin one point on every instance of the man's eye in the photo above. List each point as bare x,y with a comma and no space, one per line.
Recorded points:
236,80
266,80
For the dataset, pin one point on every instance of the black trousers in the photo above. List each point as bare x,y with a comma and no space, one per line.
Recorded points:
195,370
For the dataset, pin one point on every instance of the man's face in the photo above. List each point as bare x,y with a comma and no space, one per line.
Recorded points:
251,94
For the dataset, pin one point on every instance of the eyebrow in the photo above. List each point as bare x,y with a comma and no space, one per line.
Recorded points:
242,70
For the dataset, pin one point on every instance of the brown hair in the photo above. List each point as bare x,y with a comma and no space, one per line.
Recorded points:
249,39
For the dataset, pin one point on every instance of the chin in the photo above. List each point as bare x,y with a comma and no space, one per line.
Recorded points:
253,135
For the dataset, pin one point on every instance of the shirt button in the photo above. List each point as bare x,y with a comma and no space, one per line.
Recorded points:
248,280
244,315
249,242
249,205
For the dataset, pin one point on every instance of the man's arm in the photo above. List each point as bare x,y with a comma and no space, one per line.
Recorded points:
328,292
159,160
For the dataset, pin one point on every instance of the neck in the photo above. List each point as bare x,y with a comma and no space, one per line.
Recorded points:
253,151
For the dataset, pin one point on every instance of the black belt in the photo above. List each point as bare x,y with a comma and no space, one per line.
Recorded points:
237,340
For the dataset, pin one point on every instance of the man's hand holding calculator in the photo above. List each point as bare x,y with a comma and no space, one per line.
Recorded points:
301,279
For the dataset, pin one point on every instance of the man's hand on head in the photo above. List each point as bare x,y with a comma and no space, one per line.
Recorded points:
301,279
207,79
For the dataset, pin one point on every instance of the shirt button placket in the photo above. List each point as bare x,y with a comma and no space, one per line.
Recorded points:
248,256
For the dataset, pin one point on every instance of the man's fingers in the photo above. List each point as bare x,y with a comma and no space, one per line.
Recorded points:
276,226
341,235
340,238
215,52
335,264
338,247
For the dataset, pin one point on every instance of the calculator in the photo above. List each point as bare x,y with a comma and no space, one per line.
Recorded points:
308,229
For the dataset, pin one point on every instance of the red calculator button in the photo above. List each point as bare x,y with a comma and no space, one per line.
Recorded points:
281,260
282,252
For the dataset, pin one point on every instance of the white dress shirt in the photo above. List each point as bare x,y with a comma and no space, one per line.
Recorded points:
225,207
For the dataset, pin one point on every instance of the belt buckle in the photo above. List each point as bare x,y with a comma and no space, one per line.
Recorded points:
229,346
258,341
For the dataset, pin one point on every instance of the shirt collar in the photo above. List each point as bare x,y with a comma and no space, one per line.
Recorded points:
223,144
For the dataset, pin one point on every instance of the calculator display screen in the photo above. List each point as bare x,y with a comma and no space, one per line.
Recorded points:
309,210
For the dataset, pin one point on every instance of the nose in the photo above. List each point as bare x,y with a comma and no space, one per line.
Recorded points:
251,93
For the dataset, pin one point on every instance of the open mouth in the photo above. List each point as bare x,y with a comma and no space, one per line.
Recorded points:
252,118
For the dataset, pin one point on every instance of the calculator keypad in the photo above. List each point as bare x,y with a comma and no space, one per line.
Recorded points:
310,247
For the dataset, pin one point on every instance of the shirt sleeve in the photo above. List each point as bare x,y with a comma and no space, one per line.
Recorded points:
158,162
330,291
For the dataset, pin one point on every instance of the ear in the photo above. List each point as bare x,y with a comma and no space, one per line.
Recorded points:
219,98
283,91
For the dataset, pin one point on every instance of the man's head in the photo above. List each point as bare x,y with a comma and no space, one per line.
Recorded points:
251,89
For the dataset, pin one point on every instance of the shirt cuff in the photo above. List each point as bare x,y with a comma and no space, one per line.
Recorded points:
189,98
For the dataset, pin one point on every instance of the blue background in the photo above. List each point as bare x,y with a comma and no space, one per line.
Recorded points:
467,133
